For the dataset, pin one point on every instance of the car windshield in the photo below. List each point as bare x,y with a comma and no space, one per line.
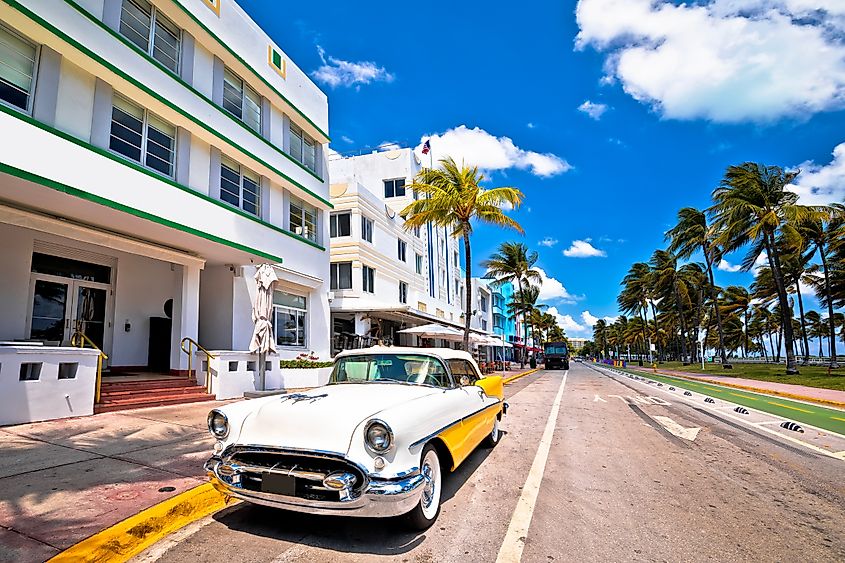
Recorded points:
390,368
552,349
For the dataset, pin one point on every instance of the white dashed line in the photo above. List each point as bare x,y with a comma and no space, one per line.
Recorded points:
512,546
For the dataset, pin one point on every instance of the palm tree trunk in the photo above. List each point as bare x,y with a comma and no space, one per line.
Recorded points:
831,322
785,310
806,342
656,331
745,332
679,306
468,283
715,298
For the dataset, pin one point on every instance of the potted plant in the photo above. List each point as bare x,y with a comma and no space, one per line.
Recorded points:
306,370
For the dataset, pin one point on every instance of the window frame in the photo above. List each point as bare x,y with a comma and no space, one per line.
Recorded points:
302,139
368,278
150,50
366,221
30,95
402,250
334,276
392,182
242,174
298,311
418,263
303,208
403,292
334,224
145,125
244,89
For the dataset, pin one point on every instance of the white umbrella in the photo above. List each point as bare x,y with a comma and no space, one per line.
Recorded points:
263,339
434,330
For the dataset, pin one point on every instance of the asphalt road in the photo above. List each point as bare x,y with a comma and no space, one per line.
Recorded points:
613,483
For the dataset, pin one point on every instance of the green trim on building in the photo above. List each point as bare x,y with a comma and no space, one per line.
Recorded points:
64,188
65,37
135,166
193,90
247,65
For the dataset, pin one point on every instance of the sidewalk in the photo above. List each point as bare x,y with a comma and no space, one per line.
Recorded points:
788,390
62,481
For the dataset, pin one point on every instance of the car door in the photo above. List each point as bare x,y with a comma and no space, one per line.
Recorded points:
478,411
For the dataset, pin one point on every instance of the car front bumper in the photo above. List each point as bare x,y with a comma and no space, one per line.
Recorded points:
379,499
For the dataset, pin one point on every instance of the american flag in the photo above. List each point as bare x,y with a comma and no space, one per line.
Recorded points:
426,147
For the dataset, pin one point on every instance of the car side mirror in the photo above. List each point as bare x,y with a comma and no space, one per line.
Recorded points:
465,381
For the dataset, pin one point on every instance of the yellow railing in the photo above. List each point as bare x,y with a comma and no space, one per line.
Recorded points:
192,344
80,340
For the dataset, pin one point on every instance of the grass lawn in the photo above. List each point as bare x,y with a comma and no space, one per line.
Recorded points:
811,376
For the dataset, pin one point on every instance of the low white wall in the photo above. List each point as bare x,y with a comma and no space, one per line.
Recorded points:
235,372
48,397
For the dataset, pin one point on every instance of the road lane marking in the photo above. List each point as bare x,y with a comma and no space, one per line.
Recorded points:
743,396
837,418
514,542
598,398
788,407
676,429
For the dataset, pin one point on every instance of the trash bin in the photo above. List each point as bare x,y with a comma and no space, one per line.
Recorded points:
533,362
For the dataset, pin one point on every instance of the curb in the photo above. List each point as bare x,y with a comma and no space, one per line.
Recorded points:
130,537
517,376
753,389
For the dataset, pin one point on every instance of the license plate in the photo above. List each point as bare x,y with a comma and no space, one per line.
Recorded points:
278,484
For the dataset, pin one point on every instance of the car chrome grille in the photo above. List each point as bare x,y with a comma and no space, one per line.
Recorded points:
308,470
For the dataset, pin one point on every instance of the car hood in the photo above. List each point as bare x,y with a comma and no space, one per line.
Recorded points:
323,418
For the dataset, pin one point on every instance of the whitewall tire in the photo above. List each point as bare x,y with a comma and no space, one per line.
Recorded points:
427,510
494,436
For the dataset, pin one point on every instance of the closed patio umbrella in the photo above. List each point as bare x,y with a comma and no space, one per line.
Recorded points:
263,339
435,330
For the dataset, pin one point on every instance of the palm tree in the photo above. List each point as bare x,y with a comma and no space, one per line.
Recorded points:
821,232
753,207
817,327
738,301
514,263
524,303
668,285
452,197
635,295
600,334
691,234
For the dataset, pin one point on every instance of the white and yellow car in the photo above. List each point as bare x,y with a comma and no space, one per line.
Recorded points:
375,441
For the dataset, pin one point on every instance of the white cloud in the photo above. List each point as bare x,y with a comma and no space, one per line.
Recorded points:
566,322
336,72
583,249
553,290
530,125
346,139
726,266
389,146
548,242
590,319
822,184
722,60
477,147
594,110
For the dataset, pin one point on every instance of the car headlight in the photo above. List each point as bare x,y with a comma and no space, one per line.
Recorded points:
378,436
218,424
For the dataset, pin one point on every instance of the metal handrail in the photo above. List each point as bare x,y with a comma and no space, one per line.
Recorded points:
208,356
79,339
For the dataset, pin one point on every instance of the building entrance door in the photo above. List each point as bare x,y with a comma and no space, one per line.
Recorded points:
68,296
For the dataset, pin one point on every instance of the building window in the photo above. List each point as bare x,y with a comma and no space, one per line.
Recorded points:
484,303
402,251
239,186
483,324
394,188
303,148
455,263
403,292
498,321
149,29
366,229
369,277
419,263
303,219
417,232
341,275
340,224
289,318
17,69
142,136
241,101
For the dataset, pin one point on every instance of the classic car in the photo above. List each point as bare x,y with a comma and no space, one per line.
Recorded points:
375,441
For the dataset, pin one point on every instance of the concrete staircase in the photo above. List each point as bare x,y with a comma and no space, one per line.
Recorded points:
123,395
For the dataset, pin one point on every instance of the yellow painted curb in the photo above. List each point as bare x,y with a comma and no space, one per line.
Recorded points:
756,390
523,374
133,535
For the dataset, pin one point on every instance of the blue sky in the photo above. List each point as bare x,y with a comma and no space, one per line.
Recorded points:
609,114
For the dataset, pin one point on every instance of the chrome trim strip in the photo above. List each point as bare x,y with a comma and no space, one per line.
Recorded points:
450,425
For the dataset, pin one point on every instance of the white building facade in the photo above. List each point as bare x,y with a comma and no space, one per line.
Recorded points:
383,277
153,155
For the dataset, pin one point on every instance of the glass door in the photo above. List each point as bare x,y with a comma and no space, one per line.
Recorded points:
49,311
89,312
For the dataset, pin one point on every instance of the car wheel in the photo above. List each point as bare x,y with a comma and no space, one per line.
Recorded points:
566,365
427,510
493,437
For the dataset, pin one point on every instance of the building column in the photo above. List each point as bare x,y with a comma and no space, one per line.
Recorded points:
186,308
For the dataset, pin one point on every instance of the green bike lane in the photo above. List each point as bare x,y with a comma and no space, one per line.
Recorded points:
832,420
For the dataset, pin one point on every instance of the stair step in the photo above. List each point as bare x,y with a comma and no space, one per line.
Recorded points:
105,392
140,399
111,407
148,384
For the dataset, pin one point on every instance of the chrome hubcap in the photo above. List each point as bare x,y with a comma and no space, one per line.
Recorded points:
430,485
